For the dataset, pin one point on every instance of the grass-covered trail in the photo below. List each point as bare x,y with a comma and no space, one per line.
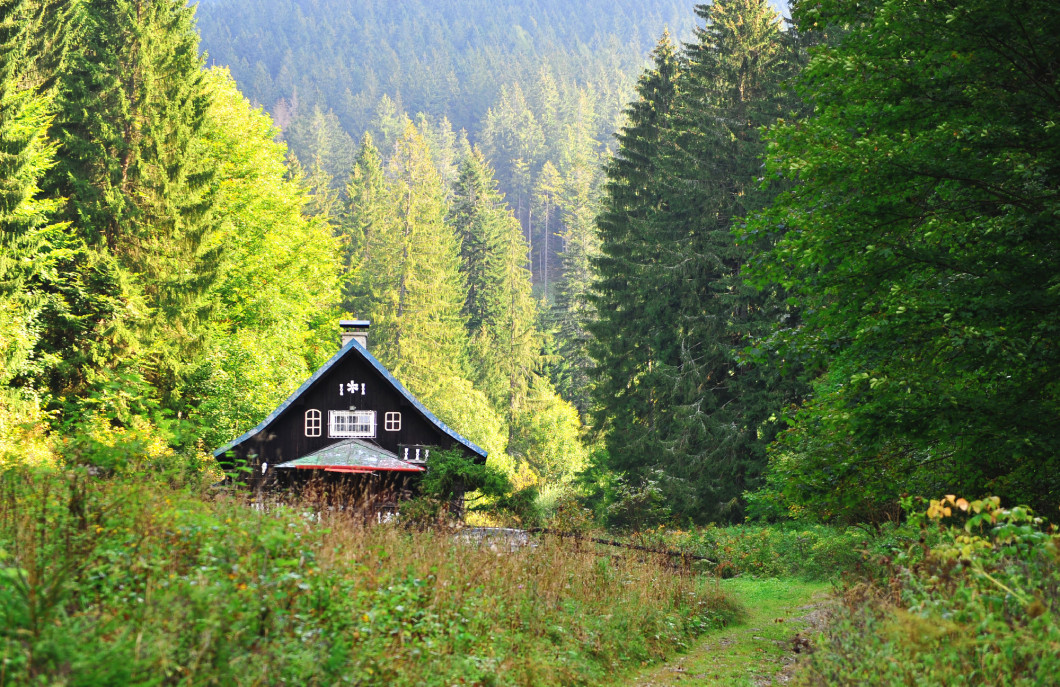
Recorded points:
756,649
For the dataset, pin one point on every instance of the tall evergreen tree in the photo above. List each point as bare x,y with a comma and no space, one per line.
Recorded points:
621,345
578,203
498,307
410,285
705,413
547,190
416,287
26,237
132,102
365,211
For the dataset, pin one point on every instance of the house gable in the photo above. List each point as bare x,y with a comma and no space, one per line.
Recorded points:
348,389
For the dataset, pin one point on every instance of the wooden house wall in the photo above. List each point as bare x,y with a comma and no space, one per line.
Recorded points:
285,438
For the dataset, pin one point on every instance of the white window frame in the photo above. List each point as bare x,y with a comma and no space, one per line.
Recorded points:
313,422
351,424
392,422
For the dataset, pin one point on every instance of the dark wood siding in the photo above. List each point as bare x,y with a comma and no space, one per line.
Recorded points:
285,437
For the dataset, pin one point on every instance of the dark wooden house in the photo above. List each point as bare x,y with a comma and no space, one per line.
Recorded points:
351,424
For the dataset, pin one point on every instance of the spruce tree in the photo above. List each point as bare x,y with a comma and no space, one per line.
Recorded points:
621,346
413,272
27,240
499,309
132,104
703,413
547,190
578,203
365,212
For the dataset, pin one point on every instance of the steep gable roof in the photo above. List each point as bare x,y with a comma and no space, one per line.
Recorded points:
353,348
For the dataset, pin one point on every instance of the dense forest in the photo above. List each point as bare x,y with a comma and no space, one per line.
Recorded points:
703,349
671,266
541,100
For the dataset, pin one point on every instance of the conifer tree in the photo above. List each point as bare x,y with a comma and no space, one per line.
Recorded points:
26,237
365,211
718,409
578,203
132,102
417,291
703,413
921,235
621,347
547,190
498,307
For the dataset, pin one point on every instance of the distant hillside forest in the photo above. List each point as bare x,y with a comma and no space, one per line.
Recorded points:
441,58
539,86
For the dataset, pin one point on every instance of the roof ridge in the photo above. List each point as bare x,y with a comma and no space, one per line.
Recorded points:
371,359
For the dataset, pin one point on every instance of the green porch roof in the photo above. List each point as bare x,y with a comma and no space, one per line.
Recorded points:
351,455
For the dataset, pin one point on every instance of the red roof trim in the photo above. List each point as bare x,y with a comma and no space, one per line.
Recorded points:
355,468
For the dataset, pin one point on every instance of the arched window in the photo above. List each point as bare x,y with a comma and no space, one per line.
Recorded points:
312,423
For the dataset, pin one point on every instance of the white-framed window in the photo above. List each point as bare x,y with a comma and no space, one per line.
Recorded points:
392,422
345,424
312,423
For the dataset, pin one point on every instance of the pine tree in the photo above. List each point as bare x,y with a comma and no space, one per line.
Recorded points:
621,347
132,103
498,307
410,285
703,414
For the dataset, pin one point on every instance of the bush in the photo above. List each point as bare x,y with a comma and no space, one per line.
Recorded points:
814,552
976,600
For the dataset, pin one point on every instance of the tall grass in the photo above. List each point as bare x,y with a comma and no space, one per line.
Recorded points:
807,551
135,581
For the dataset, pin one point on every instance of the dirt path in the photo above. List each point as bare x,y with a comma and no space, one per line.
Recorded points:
757,651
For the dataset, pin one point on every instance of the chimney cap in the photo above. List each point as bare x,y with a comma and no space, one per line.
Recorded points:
355,324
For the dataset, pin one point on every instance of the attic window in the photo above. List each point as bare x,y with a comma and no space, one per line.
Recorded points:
351,424
312,423
392,422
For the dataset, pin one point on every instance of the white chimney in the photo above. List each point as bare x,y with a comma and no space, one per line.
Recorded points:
354,329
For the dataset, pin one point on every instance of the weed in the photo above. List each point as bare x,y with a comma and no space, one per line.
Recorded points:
130,580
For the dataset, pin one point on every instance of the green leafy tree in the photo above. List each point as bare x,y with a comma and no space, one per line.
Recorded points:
921,239
278,288
547,435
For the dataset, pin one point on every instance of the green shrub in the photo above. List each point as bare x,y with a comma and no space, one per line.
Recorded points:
975,600
816,552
